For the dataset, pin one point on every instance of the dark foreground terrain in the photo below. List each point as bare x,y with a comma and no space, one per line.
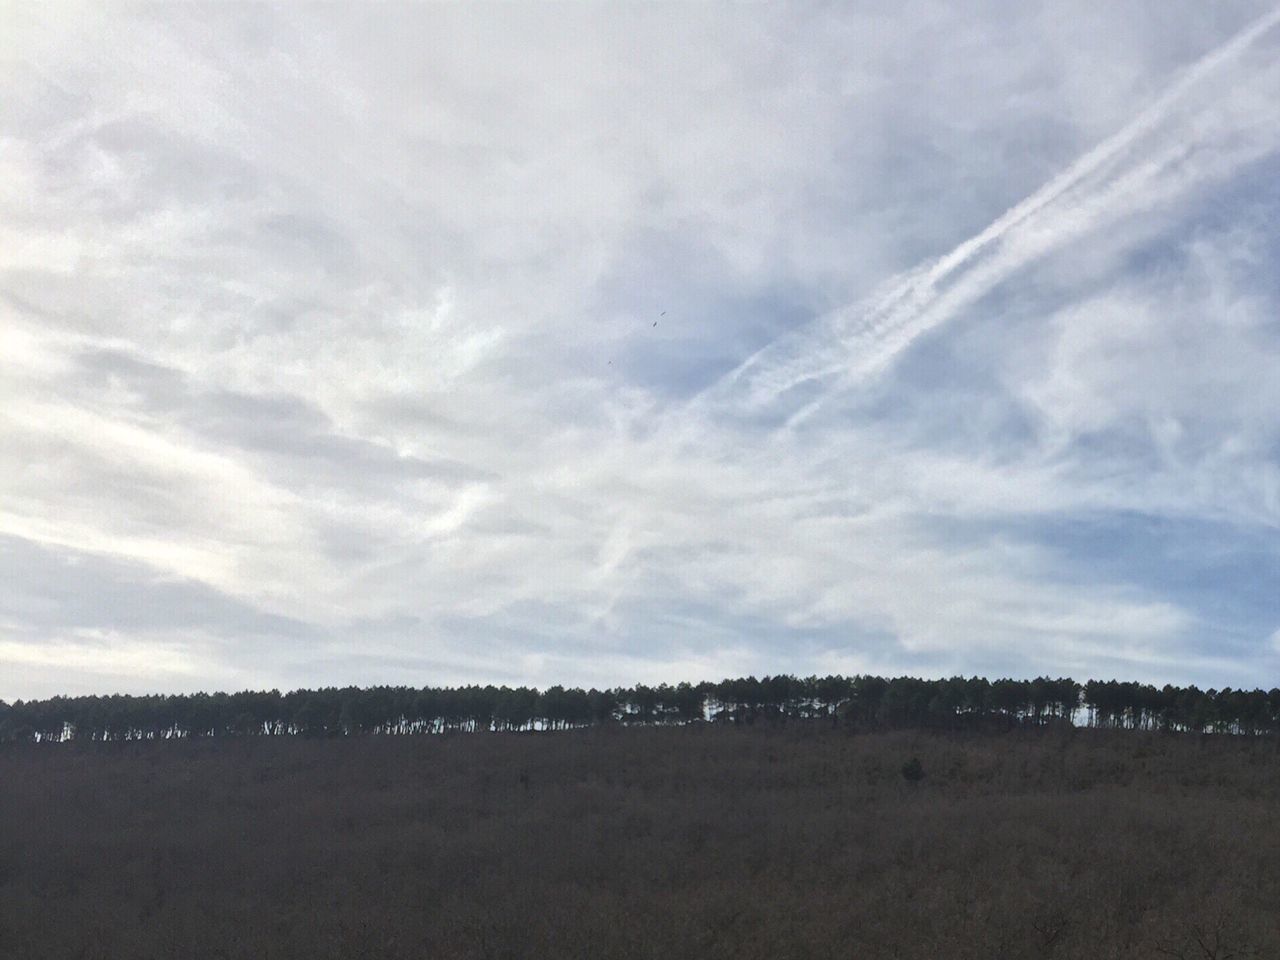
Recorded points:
692,842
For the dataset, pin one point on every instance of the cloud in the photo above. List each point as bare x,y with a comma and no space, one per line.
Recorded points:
1168,147
332,342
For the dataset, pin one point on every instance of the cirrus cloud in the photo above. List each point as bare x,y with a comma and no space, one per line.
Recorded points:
330,343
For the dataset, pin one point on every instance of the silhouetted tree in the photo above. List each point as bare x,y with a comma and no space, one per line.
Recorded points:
901,702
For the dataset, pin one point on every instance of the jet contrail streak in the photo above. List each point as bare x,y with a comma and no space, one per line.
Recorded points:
1102,185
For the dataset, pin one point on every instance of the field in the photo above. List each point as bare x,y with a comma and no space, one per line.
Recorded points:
705,841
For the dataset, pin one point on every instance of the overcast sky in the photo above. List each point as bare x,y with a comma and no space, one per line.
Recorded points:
604,344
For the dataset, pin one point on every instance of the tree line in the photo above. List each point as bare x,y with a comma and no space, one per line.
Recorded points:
867,701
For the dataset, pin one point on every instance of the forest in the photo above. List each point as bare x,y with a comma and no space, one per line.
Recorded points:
782,818
870,702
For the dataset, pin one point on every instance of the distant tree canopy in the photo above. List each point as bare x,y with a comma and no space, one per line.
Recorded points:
873,702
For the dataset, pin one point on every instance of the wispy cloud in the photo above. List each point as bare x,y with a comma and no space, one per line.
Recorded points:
1208,123
330,346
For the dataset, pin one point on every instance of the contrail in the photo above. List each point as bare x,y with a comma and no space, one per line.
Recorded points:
863,338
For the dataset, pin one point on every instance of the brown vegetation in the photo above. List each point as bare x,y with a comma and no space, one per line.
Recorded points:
703,841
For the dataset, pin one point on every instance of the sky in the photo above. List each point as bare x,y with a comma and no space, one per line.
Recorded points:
604,344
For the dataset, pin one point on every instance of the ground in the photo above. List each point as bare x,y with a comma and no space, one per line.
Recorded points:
797,841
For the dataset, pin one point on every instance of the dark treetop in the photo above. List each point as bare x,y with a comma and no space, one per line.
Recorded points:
900,702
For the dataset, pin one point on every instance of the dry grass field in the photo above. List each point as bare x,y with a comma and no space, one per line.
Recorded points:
796,841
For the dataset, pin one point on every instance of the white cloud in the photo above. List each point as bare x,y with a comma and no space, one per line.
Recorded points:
317,313
1210,122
